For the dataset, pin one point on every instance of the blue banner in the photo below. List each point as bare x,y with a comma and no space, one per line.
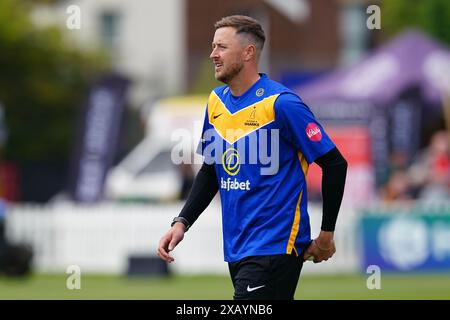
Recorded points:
406,242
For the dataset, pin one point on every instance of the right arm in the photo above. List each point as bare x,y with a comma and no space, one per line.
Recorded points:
203,190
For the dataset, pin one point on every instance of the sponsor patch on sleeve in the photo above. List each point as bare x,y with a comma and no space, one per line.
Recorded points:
313,132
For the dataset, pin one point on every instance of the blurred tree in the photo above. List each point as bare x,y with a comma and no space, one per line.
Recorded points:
431,16
43,82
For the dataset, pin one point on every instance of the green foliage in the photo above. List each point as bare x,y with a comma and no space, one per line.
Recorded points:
431,16
43,82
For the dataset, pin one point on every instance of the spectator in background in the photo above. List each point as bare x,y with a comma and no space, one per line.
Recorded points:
430,173
397,188
398,161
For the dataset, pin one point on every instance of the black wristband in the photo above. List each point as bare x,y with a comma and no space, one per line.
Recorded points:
186,223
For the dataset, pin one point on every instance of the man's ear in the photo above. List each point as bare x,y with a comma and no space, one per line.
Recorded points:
249,52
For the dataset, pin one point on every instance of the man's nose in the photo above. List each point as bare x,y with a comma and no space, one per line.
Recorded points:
213,54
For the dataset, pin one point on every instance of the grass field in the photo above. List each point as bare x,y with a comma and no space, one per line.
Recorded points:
219,287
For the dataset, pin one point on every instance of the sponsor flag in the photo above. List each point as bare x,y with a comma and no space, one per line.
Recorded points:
97,138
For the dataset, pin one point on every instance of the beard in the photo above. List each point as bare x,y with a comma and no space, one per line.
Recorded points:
230,73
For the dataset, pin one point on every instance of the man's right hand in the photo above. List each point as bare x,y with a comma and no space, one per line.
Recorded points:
170,240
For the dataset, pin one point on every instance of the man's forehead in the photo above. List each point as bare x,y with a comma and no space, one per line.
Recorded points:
228,35
225,33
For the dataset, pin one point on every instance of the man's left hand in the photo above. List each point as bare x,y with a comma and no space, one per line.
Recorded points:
322,248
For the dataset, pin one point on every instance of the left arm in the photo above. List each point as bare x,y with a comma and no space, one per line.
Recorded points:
334,171
299,126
